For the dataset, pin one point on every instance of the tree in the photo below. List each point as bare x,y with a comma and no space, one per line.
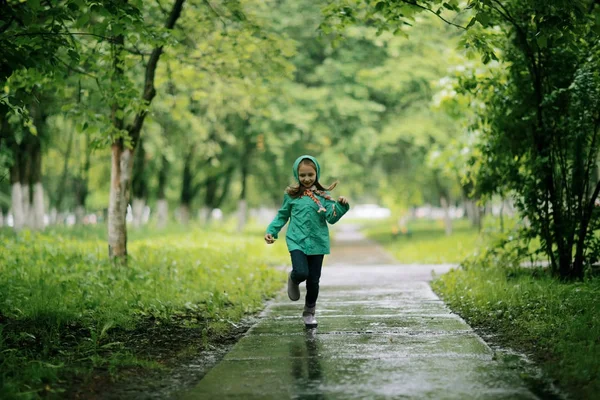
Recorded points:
545,151
541,121
126,137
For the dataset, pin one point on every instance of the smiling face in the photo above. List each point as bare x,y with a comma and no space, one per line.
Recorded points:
307,174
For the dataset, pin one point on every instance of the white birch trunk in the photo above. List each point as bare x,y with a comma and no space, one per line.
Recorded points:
79,214
162,213
38,207
184,214
25,199
242,215
447,220
469,208
53,216
120,180
473,213
204,215
17,207
138,212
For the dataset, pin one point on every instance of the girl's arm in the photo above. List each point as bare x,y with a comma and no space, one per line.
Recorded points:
335,210
281,218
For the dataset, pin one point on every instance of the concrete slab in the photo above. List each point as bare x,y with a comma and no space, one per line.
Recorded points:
383,334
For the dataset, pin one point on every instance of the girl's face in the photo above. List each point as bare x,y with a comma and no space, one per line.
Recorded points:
307,175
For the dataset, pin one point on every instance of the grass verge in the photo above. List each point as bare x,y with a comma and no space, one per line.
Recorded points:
426,241
67,312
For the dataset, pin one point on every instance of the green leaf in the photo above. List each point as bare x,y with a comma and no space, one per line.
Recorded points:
84,19
450,7
471,22
73,55
34,4
483,18
542,41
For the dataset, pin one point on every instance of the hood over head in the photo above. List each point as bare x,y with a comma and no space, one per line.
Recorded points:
297,164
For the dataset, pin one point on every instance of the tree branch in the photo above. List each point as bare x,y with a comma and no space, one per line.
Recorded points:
434,13
207,2
149,89
60,33
79,71
136,51
164,11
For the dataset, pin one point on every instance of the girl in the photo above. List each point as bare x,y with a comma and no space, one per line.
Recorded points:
309,207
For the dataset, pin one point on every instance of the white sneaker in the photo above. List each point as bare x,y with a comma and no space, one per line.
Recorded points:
293,289
309,317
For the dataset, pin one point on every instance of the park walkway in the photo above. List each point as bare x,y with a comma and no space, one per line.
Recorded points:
383,334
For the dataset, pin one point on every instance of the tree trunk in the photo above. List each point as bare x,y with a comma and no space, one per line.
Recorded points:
187,189
1,219
62,184
211,195
17,207
502,217
242,215
38,206
53,216
24,165
447,220
246,156
162,213
26,205
120,181
577,270
138,212
204,215
162,207
477,214
473,213
139,184
184,213
82,183
79,214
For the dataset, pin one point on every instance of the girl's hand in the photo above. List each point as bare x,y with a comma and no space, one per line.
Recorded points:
269,238
343,200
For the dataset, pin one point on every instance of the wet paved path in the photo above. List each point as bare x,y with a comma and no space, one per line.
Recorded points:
383,334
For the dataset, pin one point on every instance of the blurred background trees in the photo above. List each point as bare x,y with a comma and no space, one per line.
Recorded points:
405,103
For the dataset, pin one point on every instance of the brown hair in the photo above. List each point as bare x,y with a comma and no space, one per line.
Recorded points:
296,189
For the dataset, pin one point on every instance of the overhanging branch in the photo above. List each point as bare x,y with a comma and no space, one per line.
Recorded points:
414,4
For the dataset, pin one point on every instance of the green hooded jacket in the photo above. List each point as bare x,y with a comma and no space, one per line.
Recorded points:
308,229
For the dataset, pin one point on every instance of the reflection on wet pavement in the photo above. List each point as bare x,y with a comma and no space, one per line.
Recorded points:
383,334
306,368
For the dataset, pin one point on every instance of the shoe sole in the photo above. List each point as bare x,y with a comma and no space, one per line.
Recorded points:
293,299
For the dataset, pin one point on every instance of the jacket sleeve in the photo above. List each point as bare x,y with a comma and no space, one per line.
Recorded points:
335,211
281,218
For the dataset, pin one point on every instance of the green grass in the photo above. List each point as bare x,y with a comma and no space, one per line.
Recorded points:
426,241
557,323
64,306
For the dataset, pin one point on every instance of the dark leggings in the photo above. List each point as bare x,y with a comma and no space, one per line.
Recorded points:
307,268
